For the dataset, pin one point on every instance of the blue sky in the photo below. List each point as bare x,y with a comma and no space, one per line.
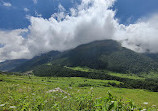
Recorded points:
128,11
14,16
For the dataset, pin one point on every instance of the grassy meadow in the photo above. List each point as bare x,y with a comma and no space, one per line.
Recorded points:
31,93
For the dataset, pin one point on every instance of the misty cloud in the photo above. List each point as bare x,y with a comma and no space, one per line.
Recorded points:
141,36
35,1
14,45
26,10
7,4
91,20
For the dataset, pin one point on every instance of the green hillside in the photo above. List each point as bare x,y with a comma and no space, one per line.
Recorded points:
36,61
153,56
105,54
11,64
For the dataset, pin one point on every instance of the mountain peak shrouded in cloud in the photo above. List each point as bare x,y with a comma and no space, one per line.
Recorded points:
89,21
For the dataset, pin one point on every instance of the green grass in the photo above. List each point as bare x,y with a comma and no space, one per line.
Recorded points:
152,75
30,93
84,69
129,76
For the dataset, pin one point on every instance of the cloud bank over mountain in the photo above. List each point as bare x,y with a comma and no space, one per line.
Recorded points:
89,21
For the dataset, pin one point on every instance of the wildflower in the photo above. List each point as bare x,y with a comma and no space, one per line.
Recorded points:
33,94
70,87
91,88
58,90
143,110
54,97
145,103
45,101
153,105
12,107
65,97
112,101
17,85
2,105
98,98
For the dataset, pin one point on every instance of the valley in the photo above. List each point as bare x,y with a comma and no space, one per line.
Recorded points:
78,55
31,93
101,75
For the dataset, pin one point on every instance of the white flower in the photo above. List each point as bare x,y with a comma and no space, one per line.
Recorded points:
112,101
58,90
70,87
45,101
2,105
65,97
98,98
145,103
12,107
143,110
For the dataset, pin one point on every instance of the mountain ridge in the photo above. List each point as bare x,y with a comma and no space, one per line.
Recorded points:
102,54
11,64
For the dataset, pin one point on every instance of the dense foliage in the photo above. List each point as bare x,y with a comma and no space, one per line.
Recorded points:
11,64
111,56
58,71
154,56
36,61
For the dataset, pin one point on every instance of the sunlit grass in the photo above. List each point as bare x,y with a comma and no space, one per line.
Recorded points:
30,92
130,76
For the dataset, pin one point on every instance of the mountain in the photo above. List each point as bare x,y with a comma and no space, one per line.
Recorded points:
36,61
107,54
153,56
104,54
11,64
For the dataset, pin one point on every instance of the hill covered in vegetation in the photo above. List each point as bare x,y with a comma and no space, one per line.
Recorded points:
36,61
104,54
11,64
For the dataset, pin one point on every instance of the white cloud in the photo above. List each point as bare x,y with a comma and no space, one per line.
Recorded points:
61,13
88,25
37,14
35,1
14,45
26,9
141,36
61,8
7,4
92,20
